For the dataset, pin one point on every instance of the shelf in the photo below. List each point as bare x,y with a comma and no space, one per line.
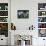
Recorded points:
3,22
42,16
41,10
42,19
41,22
4,19
3,16
3,10
41,28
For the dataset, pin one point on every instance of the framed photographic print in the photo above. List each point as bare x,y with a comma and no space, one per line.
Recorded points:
22,13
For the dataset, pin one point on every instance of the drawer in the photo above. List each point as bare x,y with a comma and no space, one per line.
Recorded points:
3,41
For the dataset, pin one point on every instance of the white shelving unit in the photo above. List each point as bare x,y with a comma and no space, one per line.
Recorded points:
42,18
4,12
4,19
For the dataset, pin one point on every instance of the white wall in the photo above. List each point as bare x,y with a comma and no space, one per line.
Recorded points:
32,6
23,24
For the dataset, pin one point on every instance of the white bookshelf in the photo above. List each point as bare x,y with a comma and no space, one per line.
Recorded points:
8,22
4,17
42,14
42,19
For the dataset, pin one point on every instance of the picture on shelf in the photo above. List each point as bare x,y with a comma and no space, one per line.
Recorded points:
42,33
23,13
41,6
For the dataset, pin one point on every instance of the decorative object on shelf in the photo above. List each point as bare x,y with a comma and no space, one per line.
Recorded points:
4,29
3,6
13,27
23,13
0,7
4,26
31,27
43,13
42,32
41,6
41,19
41,25
3,19
3,13
6,7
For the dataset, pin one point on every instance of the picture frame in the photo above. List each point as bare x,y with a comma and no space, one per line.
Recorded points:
22,14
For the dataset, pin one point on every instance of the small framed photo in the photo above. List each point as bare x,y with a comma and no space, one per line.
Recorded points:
22,13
